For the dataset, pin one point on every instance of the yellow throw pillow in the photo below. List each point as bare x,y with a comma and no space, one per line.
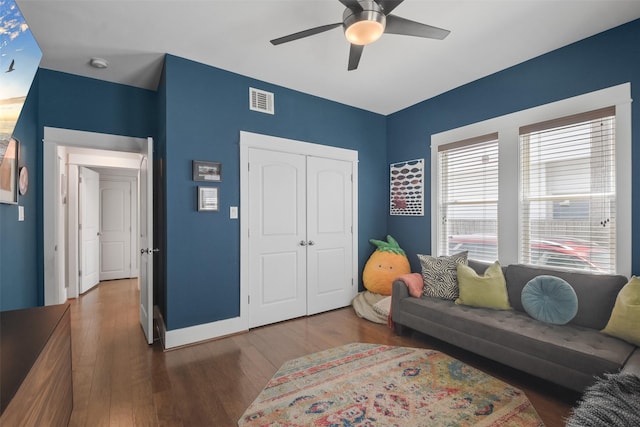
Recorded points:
488,291
624,322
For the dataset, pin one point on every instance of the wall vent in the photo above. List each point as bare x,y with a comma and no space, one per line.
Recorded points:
262,101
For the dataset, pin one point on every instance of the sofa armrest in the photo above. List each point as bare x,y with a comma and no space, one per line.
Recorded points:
399,290
632,366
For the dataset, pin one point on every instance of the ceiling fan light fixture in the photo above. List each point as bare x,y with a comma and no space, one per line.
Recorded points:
365,26
364,32
364,22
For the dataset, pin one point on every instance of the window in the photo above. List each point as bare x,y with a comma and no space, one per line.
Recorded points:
568,194
469,197
549,186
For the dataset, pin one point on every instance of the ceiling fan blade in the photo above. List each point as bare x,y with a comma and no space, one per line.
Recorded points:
305,33
355,52
406,27
388,5
352,4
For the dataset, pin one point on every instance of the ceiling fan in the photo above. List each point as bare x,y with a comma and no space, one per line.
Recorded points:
364,21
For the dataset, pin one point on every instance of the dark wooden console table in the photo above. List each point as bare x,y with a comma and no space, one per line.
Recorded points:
36,387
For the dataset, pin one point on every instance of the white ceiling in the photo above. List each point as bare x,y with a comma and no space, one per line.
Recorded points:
394,72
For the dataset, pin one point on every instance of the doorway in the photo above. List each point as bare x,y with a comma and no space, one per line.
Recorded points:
113,152
102,205
79,252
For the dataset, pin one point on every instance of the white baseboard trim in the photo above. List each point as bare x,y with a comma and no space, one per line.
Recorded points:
194,334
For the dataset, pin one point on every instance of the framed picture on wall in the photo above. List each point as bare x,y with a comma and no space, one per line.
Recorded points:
207,171
9,150
208,199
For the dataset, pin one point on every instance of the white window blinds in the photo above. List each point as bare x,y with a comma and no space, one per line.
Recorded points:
468,197
568,192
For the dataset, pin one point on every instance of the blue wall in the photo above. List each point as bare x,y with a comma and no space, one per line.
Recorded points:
206,108
18,240
71,102
604,60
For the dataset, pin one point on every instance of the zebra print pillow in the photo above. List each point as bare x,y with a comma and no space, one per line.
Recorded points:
441,276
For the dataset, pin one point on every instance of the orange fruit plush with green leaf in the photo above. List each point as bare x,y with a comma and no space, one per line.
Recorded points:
383,266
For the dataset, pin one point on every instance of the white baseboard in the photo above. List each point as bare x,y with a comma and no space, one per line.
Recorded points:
194,334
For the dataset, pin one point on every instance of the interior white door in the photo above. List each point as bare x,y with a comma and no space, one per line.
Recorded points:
277,237
145,212
329,235
115,229
89,251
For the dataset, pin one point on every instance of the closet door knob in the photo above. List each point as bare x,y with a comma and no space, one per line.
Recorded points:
311,243
302,243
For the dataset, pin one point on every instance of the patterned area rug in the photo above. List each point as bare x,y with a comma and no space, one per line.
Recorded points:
376,385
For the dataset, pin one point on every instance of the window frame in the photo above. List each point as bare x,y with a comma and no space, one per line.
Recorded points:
508,129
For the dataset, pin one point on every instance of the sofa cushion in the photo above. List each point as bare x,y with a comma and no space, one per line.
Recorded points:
575,347
488,290
440,274
596,292
550,299
625,317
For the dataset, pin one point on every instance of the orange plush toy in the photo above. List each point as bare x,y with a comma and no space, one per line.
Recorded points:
383,266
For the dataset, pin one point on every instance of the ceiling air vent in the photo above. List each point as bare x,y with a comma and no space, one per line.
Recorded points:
259,100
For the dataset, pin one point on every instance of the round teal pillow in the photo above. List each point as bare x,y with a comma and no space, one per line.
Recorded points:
550,299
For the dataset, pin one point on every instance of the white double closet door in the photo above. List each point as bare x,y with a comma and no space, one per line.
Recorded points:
300,235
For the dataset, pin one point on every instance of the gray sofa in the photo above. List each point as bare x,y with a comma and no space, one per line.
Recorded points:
571,355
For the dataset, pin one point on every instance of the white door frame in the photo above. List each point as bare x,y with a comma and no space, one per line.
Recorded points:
54,137
253,140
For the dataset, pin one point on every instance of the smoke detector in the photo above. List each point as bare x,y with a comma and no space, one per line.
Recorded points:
98,63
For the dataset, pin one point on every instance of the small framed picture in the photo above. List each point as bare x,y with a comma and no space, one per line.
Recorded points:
207,171
208,199
9,150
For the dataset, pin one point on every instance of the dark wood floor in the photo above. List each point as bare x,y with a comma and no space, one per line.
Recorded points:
119,380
